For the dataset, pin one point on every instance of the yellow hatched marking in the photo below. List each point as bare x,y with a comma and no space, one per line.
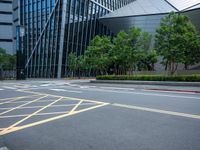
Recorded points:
50,119
63,105
39,114
15,99
29,116
18,97
73,111
23,105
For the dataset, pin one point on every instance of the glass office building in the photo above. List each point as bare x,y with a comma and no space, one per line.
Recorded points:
54,28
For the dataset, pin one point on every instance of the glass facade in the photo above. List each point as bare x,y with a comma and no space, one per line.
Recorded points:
54,28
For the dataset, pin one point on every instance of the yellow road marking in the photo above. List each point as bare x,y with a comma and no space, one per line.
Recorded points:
18,97
16,102
73,111
75,107
63,105
29,116
38,114
72,98
23,105
49,100
51,119
158,111
15,99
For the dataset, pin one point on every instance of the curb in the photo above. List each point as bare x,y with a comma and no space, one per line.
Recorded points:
172,90
166,83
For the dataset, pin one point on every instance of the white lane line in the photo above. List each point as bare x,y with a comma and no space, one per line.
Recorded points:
117,88
1,89
4,148
141,93
45,84
63,90
169,92
173,113
8,87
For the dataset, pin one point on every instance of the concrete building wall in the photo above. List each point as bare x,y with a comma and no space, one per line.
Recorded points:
6,34
15,17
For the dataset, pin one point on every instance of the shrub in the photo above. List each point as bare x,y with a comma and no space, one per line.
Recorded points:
185,78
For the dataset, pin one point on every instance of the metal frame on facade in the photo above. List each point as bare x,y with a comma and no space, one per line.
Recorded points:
54,28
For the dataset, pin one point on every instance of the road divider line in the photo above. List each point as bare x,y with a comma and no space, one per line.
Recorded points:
116,88
63,90
8,87
173,113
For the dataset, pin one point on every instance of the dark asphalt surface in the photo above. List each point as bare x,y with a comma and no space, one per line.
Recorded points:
107,127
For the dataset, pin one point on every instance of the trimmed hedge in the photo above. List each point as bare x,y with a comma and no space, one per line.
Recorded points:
185,78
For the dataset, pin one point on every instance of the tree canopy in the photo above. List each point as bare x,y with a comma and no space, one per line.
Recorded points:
7,61
177,41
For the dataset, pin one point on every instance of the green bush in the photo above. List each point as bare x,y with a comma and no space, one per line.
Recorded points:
185,78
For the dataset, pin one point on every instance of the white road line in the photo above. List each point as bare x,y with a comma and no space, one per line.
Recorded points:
117,88
63,90
45,84
173,113
141,93
1,89
8,87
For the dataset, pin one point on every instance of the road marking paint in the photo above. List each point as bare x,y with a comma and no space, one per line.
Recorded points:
117,88
72,98
39,114
147,94
8,87
16,102
23,105
45,84
173,113
63,105
1,89
63,90
29,116
18,97
4,148
141,93
75,107
51,119
12,101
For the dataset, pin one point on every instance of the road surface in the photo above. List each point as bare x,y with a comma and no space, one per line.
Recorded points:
78,115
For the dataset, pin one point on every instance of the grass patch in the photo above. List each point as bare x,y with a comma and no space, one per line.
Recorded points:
183,78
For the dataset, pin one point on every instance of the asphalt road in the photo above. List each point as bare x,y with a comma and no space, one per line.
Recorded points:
78,115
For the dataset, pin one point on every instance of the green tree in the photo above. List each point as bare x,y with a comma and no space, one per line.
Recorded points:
72,63
97,54
146,60
121,53
177,41
143,58
7,61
